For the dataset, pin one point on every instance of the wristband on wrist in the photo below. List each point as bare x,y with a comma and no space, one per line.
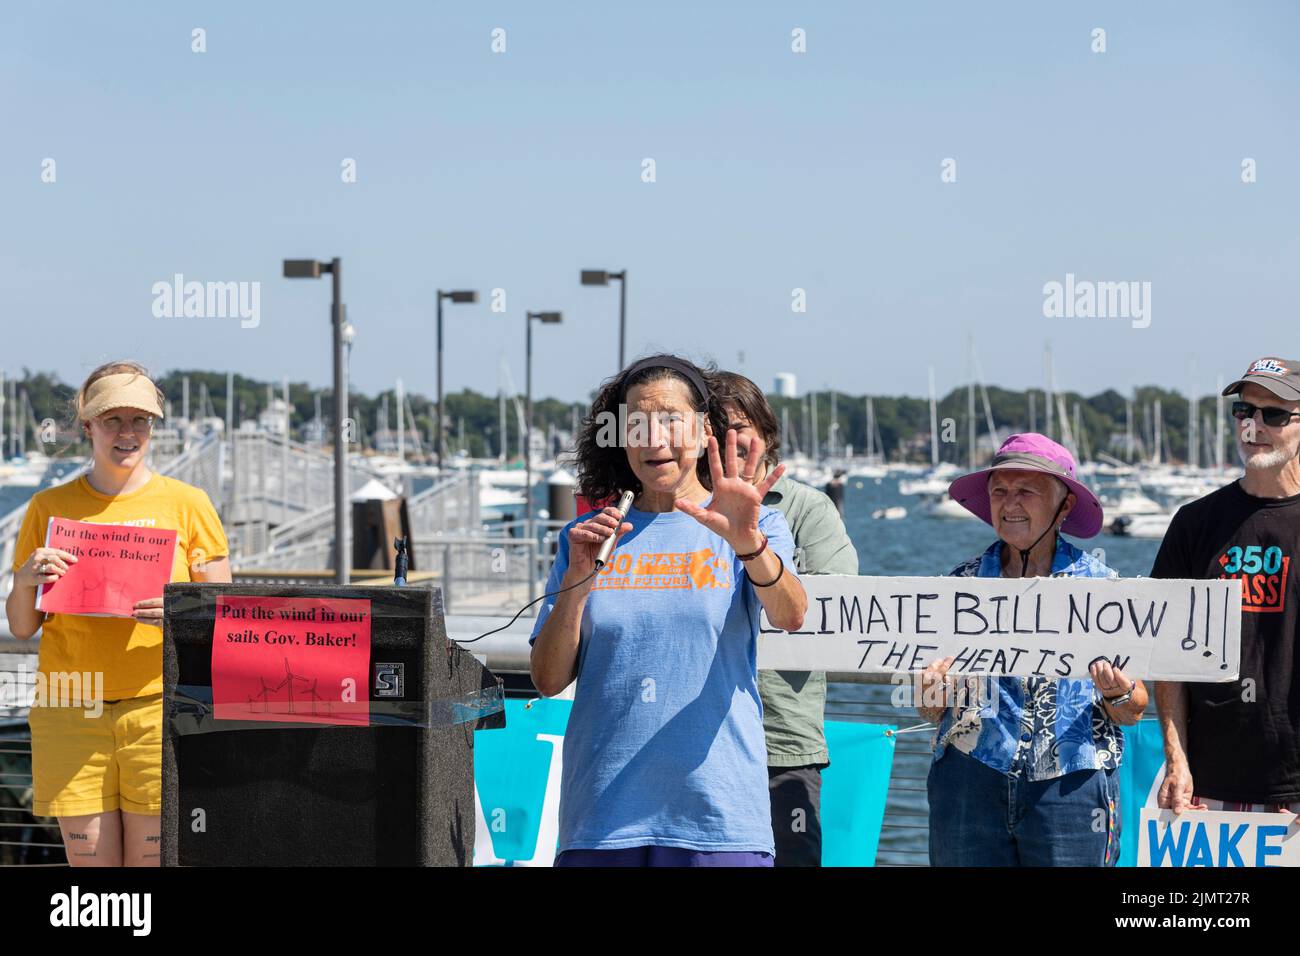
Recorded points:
779,572
1123,698
761,548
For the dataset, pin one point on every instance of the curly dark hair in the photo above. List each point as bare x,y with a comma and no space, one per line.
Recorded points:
732,388
603,469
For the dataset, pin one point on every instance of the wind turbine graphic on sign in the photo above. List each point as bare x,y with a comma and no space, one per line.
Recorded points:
286,685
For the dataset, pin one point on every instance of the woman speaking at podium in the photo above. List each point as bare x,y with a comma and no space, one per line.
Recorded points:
665,762
97,764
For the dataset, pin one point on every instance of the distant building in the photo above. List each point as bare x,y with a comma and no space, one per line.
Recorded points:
273,419
785,385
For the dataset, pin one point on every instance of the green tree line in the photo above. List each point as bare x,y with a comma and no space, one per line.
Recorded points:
903,422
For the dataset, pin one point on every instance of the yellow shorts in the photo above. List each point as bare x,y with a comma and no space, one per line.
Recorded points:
96,764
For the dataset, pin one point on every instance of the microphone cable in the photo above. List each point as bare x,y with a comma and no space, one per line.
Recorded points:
602,559
594,572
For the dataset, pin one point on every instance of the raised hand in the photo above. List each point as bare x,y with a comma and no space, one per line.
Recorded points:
732,514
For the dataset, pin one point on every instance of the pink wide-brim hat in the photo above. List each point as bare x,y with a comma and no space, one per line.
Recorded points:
1032,452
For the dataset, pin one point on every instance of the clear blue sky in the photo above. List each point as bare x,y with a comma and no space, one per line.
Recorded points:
774,171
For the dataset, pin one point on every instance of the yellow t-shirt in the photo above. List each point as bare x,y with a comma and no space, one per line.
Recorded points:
128,653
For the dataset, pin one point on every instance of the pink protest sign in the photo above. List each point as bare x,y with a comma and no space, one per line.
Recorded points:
117,565
296,660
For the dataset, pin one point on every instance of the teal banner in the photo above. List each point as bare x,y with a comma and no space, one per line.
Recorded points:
517,787
1139,778
854,788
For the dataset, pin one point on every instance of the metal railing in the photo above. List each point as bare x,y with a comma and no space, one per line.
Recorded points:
24,839
451,503
481,573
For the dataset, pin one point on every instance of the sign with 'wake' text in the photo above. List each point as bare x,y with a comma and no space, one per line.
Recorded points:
1214,838
1013,627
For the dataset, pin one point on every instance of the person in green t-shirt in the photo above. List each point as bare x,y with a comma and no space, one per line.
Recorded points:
794,702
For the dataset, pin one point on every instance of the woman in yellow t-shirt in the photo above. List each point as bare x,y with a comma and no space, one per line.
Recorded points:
97,734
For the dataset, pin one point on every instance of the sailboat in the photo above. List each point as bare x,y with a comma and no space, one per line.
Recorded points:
940,475
874,467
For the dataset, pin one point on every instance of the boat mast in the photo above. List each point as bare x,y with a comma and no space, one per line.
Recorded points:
970,400
1158,442
984,396
832,436
1047,391
871,430
401,423
1218,424
816,445
230,408
934,424
1128,431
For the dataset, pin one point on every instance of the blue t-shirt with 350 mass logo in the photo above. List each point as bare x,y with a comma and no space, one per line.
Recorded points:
664,744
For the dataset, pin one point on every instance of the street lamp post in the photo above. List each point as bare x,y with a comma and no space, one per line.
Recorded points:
547,317
461,296
312,269
601,277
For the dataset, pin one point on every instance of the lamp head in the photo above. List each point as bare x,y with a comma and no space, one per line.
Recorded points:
301,269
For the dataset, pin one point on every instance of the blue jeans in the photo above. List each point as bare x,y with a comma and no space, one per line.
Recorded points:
983,817
661,856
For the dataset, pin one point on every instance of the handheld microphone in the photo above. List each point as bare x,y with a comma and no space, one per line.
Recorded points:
624,504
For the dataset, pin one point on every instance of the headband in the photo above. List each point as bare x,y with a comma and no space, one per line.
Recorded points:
685,369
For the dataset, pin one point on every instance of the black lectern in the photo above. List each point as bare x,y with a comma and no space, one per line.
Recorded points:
269,765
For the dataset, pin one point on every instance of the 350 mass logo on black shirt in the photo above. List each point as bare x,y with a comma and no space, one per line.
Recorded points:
1262,572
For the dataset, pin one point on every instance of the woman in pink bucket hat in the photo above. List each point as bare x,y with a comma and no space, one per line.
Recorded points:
1079,511
1023,775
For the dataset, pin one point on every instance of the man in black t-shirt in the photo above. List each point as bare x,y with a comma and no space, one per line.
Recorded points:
1236,746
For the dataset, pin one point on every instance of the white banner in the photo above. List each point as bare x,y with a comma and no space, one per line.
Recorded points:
1213,838
1021,627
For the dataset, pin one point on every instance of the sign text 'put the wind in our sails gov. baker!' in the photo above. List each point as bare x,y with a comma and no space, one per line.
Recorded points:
1013,627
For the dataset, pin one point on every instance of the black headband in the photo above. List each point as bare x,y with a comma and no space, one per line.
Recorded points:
685,369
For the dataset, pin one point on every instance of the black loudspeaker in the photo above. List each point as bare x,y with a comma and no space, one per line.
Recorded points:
398,792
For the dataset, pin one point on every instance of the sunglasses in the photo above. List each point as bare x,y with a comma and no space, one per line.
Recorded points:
1272,417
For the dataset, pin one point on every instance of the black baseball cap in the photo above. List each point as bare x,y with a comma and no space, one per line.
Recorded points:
1280,376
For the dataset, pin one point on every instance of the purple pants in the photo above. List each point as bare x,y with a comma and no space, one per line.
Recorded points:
661,856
